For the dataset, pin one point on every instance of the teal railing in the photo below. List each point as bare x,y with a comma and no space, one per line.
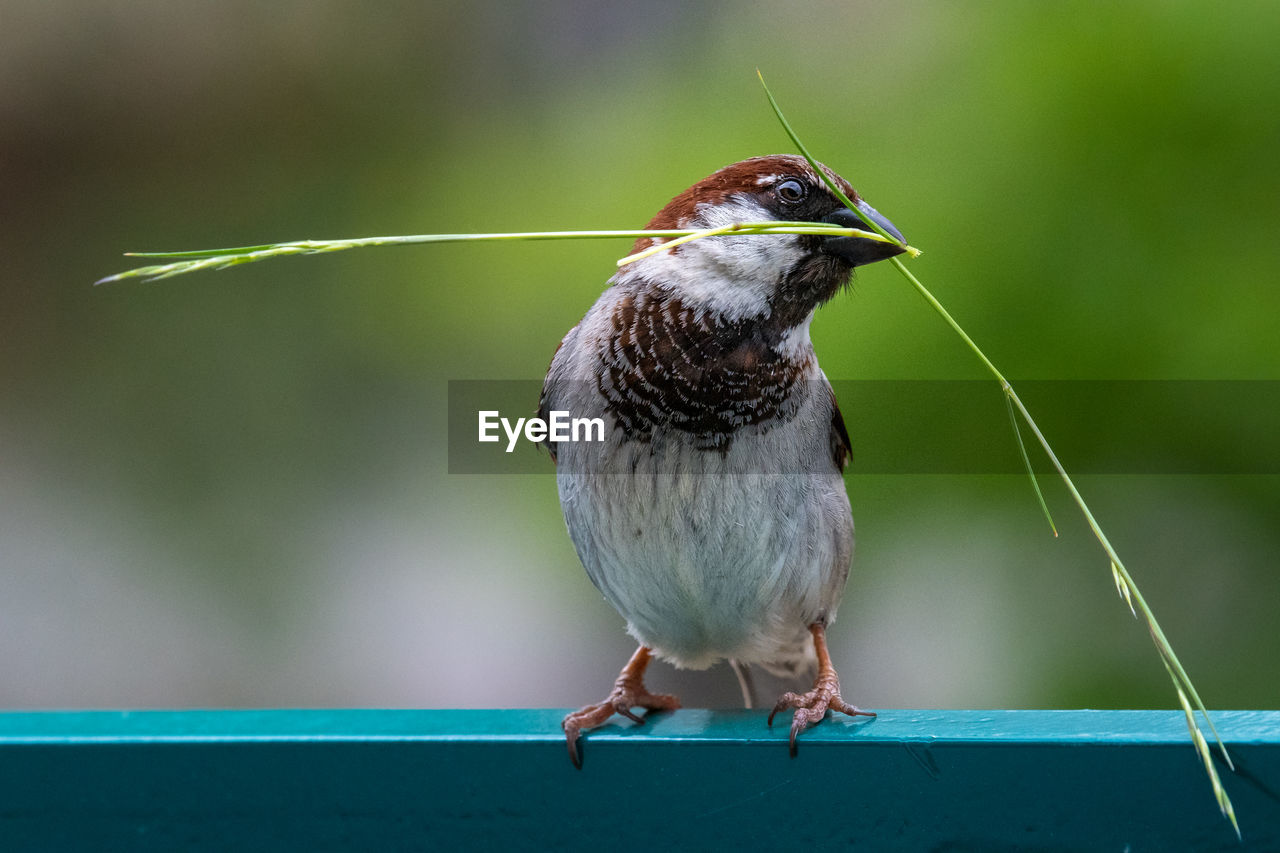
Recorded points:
501,780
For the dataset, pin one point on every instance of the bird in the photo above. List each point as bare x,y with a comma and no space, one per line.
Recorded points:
713,515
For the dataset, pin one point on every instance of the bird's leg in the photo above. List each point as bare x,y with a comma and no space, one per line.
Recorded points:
812,706
628,692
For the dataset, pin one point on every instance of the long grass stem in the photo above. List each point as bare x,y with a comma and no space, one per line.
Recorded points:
179,263
1187,695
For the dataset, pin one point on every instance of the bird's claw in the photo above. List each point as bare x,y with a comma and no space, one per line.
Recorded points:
812,707
625,696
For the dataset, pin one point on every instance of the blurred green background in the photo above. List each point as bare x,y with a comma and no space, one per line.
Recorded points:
231,489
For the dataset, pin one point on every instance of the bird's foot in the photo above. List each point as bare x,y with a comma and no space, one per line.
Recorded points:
628,692
825,696
812,707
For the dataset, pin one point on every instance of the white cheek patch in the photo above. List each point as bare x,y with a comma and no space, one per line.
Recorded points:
753,261
734,276
702,286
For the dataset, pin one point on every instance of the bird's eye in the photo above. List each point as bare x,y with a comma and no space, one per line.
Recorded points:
790,191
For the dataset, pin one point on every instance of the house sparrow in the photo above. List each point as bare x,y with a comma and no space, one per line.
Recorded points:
714,516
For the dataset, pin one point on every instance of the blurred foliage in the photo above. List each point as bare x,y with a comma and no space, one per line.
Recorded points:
231,488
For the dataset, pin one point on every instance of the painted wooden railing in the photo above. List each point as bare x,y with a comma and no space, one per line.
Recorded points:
501,780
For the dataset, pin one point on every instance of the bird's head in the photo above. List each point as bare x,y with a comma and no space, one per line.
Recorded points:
739,277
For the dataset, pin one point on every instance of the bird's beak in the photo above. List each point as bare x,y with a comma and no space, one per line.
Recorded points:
862,250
